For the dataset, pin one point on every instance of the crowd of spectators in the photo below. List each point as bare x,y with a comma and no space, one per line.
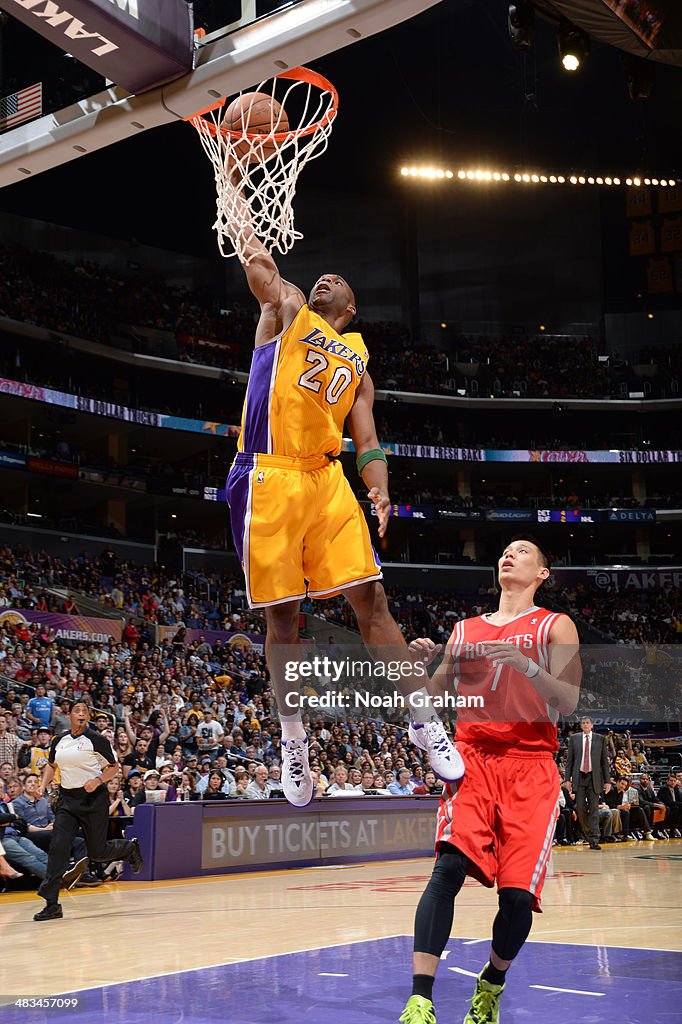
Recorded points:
148,595
92,301
633,806
639,617
192,719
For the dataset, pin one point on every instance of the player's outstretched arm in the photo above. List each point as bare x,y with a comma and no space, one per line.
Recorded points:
444,677
364,433
262,274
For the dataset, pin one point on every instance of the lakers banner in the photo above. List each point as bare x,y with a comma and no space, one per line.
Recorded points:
670,200
659,276
671,234
77,628
138,44
638,202
233,641
618,580
642,240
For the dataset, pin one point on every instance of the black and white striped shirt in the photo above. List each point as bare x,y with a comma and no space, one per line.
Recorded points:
80,758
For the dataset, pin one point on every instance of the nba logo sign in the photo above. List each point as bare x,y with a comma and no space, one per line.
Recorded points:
533,621
261,477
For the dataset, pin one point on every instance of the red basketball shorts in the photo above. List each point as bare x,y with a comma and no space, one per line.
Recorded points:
502,815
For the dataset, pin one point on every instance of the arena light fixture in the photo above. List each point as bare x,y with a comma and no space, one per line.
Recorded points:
487,175
521,24
574,45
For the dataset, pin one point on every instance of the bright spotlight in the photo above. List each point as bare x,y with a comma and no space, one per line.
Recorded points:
574,45
404,171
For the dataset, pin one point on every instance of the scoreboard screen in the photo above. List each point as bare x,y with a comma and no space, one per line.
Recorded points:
570,515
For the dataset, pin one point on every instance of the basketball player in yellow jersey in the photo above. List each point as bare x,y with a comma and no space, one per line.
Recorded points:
296,523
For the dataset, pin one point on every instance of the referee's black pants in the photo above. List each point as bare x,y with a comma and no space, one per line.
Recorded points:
90,811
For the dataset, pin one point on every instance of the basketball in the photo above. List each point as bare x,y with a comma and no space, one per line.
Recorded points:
258,113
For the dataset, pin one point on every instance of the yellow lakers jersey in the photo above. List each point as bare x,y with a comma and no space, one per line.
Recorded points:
301,388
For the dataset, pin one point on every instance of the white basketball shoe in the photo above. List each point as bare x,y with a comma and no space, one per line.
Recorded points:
446,761
297,782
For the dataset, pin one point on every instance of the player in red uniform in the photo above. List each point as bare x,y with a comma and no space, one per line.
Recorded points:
497,823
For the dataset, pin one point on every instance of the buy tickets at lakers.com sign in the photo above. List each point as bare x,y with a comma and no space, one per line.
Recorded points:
371,831
138,44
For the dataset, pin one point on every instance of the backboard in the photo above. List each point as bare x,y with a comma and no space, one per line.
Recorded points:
264,39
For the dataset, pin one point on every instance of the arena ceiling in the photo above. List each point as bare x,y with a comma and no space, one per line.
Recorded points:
644,28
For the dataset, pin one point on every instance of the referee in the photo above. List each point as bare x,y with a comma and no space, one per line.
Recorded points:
86,763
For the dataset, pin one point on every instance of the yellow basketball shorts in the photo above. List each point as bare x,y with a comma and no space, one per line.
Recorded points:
298,528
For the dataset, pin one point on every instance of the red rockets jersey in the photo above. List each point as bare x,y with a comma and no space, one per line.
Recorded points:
513,712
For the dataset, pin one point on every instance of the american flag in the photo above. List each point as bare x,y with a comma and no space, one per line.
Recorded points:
21,106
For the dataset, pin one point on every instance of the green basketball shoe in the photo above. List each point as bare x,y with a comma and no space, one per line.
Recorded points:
485,1003
418,1010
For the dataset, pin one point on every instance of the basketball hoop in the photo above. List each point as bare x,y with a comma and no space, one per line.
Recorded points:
256,172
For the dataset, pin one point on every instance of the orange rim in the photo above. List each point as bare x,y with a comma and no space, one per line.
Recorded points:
300,74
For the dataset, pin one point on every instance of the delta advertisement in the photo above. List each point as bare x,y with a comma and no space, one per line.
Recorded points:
73,628
113,410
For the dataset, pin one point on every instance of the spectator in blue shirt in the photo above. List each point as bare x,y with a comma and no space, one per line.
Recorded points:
36,812
403,786
40,709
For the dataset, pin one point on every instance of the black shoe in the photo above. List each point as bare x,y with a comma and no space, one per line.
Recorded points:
74,874
88,881
135,858
50,912
594,846
608,839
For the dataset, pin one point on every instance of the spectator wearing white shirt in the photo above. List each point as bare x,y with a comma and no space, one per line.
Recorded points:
339,780
209,734
258,788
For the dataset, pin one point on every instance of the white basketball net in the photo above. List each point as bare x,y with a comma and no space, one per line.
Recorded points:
257,197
